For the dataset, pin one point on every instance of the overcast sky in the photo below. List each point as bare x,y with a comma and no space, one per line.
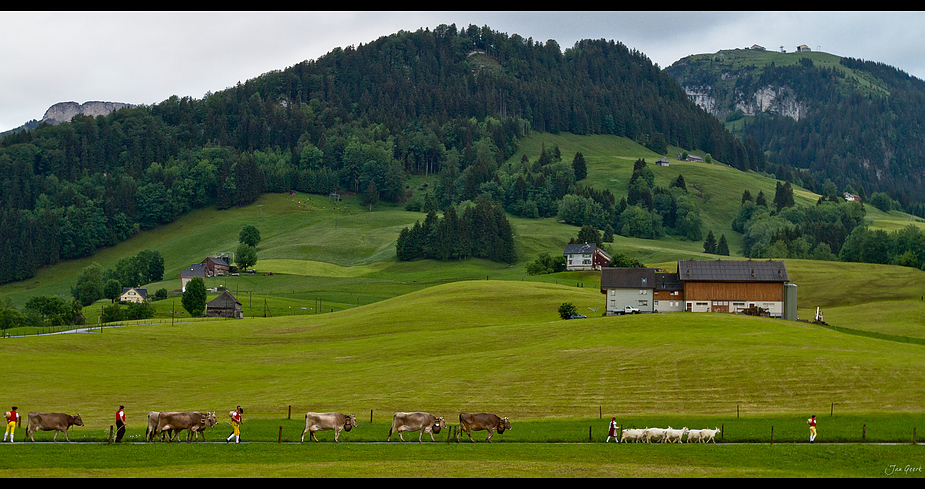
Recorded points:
145,57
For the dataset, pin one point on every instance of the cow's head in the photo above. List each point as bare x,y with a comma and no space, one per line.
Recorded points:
210,420
439,424
505,424
76,421
350,422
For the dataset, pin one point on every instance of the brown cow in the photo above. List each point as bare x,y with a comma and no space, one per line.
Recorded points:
152,426
52,421
423,422
179,421
328,421
470,422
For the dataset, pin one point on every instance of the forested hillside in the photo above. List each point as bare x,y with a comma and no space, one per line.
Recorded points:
358,119
819,116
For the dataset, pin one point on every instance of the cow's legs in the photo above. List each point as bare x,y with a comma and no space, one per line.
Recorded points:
303,436
336,436
490,434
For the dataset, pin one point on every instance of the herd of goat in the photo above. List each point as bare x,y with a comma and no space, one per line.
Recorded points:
668,435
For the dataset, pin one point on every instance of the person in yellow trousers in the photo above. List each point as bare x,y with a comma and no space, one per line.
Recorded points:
12,419
235,425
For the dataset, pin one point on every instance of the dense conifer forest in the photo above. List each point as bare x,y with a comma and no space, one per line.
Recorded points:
359,119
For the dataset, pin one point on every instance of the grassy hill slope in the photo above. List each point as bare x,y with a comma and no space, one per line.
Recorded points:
473,345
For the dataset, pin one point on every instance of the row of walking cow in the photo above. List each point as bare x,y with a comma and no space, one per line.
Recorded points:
668,435
195,424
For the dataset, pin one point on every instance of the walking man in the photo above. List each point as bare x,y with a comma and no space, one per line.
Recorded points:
12,419
812,428
120,423
235,425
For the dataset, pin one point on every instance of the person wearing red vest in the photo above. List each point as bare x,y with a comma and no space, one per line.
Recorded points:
235,425
120,423
612,431
12,419
812,428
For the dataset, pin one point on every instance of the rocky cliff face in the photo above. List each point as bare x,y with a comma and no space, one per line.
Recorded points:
64,111
777,100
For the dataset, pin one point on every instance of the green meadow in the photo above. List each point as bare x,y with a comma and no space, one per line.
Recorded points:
334,323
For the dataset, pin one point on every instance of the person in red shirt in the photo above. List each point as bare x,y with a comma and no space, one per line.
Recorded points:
12,419
812,428
120,423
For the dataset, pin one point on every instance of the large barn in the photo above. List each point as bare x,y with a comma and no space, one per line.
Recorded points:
737,286
734,285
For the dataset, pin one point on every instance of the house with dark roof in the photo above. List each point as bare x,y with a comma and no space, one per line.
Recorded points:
585,257
133,294
224,306
194,270
646,289
216,265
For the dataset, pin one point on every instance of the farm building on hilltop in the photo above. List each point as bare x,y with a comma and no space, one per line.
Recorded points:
737,286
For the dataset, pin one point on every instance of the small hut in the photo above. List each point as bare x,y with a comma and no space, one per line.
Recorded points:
224,306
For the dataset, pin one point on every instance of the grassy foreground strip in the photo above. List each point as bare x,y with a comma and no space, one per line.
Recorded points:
459,460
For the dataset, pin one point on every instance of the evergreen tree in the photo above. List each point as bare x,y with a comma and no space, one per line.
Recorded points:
747,196
579,166
709,244
722,248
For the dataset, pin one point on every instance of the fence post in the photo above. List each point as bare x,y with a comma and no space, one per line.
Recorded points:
772,434
864,432
280,439
290,412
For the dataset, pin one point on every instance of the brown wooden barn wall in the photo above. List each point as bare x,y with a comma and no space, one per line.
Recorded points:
733,291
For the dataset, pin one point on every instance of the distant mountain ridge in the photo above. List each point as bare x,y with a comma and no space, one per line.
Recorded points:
65,111
818,116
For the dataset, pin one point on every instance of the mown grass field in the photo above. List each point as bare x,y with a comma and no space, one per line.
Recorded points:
340,325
